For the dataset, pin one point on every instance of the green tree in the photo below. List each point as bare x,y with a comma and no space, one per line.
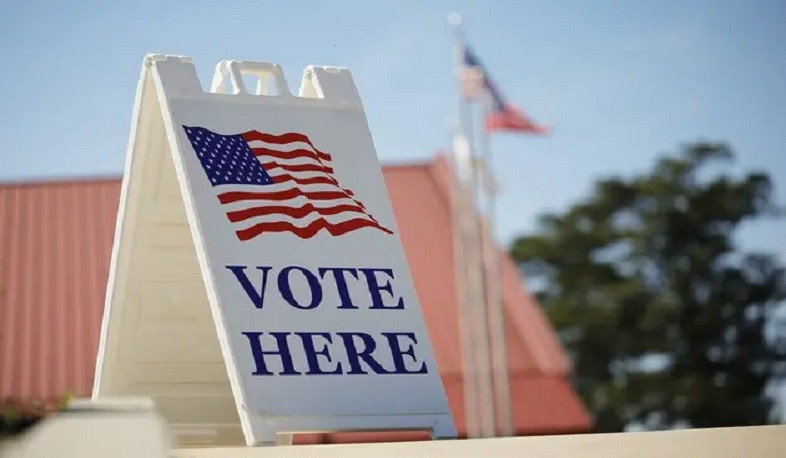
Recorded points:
667,323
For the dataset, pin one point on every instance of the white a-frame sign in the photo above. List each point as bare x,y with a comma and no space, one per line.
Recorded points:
258,282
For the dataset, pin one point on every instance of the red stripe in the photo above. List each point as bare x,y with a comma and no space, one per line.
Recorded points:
238,196
310,230
314,227
297,168
313,180
305,210
282,140
283,178
295,153
512,119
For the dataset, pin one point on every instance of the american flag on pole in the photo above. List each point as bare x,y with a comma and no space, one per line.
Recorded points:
476,83
277,183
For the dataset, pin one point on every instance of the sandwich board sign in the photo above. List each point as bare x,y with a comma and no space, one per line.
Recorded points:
258,286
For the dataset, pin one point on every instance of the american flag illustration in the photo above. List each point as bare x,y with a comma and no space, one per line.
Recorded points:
277,183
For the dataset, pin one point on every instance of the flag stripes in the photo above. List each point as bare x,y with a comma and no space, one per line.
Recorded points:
278,183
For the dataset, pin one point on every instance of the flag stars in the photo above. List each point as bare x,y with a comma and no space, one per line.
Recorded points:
226,159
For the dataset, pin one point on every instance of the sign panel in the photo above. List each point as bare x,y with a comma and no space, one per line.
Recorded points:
312,299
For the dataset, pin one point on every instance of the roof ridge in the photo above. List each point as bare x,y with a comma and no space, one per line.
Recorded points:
54,180
76,179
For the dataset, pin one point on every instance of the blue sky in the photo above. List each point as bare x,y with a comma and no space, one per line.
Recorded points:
620,82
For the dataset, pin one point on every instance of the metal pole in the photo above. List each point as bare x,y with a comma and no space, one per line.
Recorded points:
478,375
469,379
478,304
496,311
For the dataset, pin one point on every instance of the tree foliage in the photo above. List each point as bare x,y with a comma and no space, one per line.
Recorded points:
666,321
16,416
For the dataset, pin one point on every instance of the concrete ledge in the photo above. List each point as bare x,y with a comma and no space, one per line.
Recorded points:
116,428
756,441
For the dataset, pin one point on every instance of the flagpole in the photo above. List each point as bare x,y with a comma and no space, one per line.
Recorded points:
479,395
471,400
496,311
460,147
488,310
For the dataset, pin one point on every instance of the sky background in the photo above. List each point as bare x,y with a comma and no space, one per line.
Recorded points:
620,82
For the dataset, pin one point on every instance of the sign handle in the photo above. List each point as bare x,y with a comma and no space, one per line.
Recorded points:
235,69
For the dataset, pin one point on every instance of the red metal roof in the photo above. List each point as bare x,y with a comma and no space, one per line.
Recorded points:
420,197
55,243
